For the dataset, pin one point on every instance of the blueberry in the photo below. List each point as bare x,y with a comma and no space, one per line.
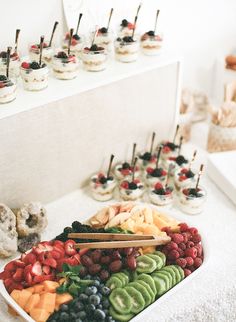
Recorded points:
128,39
105,303
96,283
180,160
157,172
146,156
73,315
99,306
160,191
76,37
124,23
88,277
91,290
125,165
132,185
64,308
103,30
151,33
105,290
34,65
83,297
90,307
82,315
103,180
94,47
64,316
99,314
78,320
94,299
99,295
3,78
118,39
61,54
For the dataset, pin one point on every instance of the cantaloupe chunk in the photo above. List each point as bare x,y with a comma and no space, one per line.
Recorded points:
47,302
30,289
50,286
24,298
63,298
15,294
11,311
33,301
39,315
38,288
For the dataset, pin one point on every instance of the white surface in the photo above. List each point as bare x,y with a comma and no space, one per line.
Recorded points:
222,170
59,89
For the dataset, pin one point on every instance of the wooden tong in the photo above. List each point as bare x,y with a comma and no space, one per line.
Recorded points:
118,240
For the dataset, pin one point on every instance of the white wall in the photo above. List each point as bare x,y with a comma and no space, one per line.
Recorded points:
199,30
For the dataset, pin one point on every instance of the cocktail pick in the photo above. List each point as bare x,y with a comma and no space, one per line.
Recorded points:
176,132
152,142
180,144
133,153
8,60
94,35
193,158
78,24
109,20
53,32
41,50
199,175
70,39
134,165
139,7
135,20
155,26
168,176
158,156
110,165
16,39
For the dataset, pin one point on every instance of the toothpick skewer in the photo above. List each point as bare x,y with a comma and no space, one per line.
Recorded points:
199,175
110,164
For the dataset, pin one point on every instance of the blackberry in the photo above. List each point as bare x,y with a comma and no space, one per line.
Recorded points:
118,39
189,174
110,178
76,37
34,65
157,172
194,193
146,156
94,47
159,191
3,78
171,145
61,54
151,33
68,230
180,160
124,23
103,180
3,54
128,39
132,185
103,30
125,165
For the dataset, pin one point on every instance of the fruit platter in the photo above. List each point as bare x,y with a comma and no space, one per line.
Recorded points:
124,261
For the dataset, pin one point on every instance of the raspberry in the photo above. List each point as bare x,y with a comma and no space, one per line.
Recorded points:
187,272
150,170
181,262
186,236
136,181
171,245
125,185
196,238
193,230
173,254
166,229
25,65
182,246
182,178
184,170
181,252
197,262
177,238
191,252
189,244
166,149
199,249
189,261
183,227
158,186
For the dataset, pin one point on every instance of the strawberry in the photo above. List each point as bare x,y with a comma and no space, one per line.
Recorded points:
19,263
36,269
58,243
46,270
136,181
27,269
77,257
39,279
28,279
34,46
8,282
18,276
5,274
73,42
163,173
184,170
125,172
130,25
166,149
50,262
15,286
2,85
149,170
11,266
182,178
25,65
71,261
42,256
69,247
30,258
60,250
54,254
83,251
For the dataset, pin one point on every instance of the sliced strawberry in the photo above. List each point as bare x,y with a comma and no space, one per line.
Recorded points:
149,170
41,257
182,178
60,249
70,247
28,278
55,254
23,256
8,282
27,269
77,257
71,261
19,263
15,286
11,266
30,258
19,274
83,251
5,274
125,185
50,262
39,279
58,243
36,269
37,250
46,270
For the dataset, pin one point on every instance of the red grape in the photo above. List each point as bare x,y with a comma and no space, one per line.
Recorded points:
115,266
86,261
116,255
104,275
94,269
131,262
96,256
128,251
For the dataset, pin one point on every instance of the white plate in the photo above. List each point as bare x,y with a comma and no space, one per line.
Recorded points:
141,315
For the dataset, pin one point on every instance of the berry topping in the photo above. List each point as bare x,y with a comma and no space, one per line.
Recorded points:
3,54
103,30
25,65
125,165
76,37
125,185
157,172
151,33
34,65
3,78
94,47
133,186
61,54
124,23
146,156
192,192
181,160
128,39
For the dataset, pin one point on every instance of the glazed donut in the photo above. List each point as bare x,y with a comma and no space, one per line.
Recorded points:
31,218
8,234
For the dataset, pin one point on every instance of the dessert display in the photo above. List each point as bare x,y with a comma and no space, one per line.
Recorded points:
148,158
103,185
64,64
62,280
104,36
185,177
76,45
14,69
170,149
35,74
47,51
151,43
157,174
192,199
126,169
7,85
94,57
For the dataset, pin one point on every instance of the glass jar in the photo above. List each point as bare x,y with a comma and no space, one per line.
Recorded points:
77,44
151,44
94,61
8,89
126,52
47,52
34,79
65,68
190,203
14,66
102,190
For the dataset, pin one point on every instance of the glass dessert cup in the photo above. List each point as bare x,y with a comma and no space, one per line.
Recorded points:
94,59
34,77
125,171
160,195
14,66
77,44
47,53
169,149
8,89
185,178
65,67
147,160
151,44
125,28
153,176
131,190
126,51
103,39
175,164
192,201
102,188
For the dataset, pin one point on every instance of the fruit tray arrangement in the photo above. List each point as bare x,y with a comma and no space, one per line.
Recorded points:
77,278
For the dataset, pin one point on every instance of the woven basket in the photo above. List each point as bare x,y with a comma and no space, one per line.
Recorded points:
221,138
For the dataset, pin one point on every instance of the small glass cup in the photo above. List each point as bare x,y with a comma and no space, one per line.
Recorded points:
146,160
151,44
77,44
125,171
65,68
161,199
8,89
94,61
153,176
185,178
102,190
169,149
191,204
126,52
47,52
34,79
131,193
14,65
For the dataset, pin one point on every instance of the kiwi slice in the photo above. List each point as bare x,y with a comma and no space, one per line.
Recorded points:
143,290
172,272
181,271
113,283
148,279
160,285
120,317
162,255
163,276
138,302
158,260
169,275
177,273
121,300
148,288
145,264
123,277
